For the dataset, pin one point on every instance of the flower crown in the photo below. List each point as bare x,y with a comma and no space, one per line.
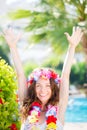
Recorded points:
44,73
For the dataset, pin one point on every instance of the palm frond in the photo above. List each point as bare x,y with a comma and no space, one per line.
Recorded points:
19,14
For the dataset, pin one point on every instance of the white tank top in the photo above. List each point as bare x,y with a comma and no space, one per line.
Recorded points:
26,126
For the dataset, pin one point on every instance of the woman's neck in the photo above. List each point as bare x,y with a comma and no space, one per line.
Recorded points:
43,108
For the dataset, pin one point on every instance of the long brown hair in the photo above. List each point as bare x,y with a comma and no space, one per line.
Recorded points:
32,96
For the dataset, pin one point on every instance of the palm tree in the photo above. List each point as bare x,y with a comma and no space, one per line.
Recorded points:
80,7
53,19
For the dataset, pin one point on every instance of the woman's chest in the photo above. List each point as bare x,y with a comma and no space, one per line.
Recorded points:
42,118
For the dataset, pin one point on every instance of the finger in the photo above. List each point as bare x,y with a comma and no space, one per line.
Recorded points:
81,35
11,29
74,28
7,31
67,35
4,32
78,29
19,36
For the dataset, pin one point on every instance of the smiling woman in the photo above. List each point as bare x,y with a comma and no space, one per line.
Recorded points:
43,83
45,98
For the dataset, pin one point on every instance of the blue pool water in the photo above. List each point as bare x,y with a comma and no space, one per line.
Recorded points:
76,110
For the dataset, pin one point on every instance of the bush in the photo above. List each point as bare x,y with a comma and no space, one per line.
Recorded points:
54,64
9,117
78,73
4,55
29,67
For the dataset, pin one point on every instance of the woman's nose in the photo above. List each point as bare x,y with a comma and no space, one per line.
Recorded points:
43,89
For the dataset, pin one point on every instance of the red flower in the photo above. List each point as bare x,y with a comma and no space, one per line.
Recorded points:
36,104
1,102
13,127
17,99
51,119
0,90
31,81
53,75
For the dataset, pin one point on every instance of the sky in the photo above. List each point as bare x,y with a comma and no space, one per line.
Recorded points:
28,52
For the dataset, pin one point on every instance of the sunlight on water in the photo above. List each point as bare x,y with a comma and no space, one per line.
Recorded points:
77,110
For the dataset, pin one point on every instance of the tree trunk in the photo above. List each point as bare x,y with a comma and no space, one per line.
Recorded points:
84,45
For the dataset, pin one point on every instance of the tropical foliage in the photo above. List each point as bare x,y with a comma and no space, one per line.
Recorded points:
29,67
9,117
50,19
4,50
78,74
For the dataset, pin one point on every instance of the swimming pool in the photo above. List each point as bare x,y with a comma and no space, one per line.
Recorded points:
76,110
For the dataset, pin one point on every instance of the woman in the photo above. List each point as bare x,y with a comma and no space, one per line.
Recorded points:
45,98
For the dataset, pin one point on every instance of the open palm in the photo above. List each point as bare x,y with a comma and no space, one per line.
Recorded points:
11,38
76,36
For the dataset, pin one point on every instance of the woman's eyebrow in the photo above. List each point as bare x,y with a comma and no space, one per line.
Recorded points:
37,83
42,83
47,84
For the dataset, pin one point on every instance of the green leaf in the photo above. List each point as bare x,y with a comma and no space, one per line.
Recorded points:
19,14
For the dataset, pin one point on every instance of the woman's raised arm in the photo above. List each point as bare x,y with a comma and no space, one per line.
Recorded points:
73,40
12,40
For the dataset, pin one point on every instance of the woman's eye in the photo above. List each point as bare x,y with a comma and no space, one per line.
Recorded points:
48,86
38,86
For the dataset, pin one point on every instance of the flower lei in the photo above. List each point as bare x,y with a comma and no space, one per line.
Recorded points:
34,112
44,73
50,116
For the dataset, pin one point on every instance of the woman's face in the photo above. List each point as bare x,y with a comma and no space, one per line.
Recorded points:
43,90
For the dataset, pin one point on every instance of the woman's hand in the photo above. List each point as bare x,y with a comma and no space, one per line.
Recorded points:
76,36
11,38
